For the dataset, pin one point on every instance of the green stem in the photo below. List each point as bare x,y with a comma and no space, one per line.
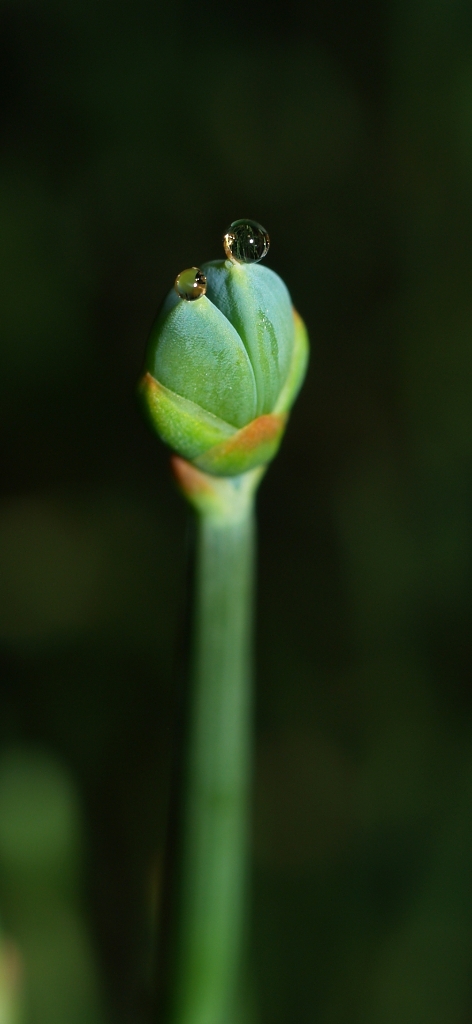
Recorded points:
213,884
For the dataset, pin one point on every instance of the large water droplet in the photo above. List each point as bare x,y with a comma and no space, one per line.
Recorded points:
246,241
191,284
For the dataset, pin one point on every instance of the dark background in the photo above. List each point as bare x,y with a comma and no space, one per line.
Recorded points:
131,135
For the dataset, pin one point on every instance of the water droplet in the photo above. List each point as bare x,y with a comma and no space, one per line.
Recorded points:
246,241
191,284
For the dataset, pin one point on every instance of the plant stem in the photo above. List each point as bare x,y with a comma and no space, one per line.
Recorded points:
211,916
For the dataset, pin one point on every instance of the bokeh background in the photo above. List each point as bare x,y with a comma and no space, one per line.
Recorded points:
131,135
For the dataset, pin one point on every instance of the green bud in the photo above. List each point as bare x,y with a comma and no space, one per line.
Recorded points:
224,369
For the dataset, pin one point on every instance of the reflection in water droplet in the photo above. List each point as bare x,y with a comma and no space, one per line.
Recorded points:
246,241
191,284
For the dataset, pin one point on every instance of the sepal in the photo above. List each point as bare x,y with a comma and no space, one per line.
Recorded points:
182,424
254,445
297,368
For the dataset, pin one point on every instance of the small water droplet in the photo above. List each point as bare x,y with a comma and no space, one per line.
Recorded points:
246,241
191,284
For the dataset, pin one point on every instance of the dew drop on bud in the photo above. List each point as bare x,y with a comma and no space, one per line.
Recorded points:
246,241
191,284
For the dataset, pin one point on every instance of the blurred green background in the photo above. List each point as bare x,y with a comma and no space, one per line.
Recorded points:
131,135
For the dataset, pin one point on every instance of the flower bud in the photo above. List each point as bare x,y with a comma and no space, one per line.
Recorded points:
223,368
